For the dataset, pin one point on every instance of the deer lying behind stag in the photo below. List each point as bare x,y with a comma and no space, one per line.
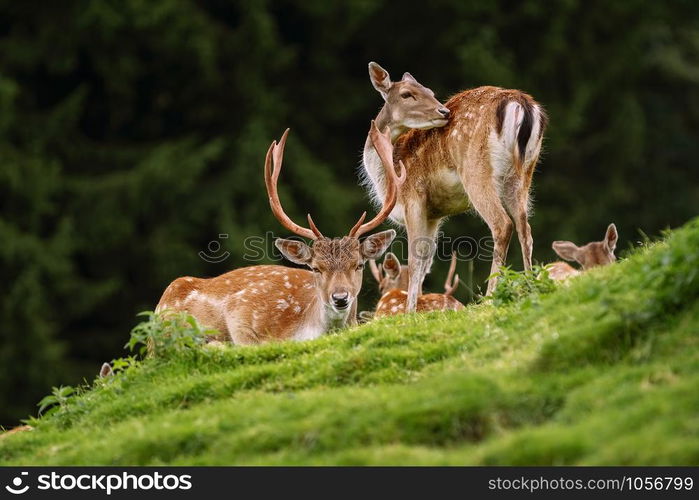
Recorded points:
479,149
265,303
594,254
393,284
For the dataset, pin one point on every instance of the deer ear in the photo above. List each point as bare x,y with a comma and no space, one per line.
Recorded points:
380,79
375,245
565,249
391,265
296,251
106,371
611,237
407,77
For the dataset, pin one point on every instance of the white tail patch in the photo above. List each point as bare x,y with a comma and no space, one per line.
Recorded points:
504,148
534,144
514,115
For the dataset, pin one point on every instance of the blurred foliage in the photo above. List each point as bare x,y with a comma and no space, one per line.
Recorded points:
133,132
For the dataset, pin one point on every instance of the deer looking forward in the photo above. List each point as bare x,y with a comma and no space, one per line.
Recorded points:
594,254
479,149
258,304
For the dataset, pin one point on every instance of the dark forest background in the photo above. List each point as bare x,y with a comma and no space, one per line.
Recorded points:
133,133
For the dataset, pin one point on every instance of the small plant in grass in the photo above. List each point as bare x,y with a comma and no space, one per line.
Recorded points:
167,332
57,399
515,286
123,364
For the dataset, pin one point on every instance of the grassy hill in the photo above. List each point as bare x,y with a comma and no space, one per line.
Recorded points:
604,370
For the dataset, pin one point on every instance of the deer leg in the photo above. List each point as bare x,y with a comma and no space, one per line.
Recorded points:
486,201
352,318
501,230
526,242
421,246
516,199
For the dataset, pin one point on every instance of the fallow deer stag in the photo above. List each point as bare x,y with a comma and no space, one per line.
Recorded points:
479,149
594,254
393,285
265,303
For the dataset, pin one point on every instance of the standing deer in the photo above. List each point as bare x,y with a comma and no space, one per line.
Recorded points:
393,285
265,303
480,150
597,253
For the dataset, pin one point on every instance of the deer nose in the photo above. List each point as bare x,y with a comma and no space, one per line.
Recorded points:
340,300
444,112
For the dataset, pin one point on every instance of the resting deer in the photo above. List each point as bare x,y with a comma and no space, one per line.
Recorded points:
479,149
21,428
597,253
393,285
271,303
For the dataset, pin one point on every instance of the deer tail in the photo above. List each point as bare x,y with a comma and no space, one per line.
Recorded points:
520,124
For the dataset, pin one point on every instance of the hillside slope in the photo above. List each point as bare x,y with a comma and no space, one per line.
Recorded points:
603,371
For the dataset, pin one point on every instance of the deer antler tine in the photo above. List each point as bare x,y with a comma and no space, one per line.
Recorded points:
452,280
401,178
313,227
454,284
275,155
268,157
358,225
279,149
384,148
278,154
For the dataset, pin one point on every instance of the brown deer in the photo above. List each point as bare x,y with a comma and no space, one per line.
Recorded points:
595,254
272,303
393,285
389,274
15,430
479,149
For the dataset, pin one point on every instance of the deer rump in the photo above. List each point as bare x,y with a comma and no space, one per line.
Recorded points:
502,128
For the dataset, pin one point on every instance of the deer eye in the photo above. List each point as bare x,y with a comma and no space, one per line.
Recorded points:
315,270
360,267
406,95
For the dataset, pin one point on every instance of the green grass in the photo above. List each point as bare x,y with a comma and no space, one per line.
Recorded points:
603,370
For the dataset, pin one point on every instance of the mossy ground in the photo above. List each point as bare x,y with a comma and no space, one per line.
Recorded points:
604,370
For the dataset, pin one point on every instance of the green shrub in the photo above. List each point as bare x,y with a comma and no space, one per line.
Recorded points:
515,286
166,332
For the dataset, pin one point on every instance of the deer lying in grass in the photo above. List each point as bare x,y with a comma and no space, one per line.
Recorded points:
15,430
393,284
597,253
272,303
479,150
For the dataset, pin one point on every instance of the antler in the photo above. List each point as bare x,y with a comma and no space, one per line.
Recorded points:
376,271
449,285
383,146
275,154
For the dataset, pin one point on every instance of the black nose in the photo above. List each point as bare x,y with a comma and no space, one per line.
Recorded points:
341,299
444,112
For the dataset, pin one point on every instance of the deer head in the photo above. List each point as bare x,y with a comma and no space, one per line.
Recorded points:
337,263
408,103
391,275
597,253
